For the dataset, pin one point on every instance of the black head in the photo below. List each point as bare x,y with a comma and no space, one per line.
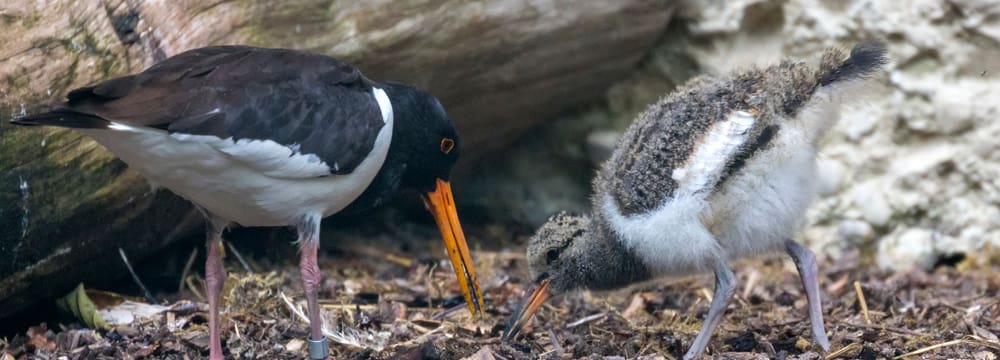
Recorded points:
425,133
427,147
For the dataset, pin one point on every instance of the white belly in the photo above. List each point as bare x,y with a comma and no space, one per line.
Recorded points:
277,190
758,210
753,213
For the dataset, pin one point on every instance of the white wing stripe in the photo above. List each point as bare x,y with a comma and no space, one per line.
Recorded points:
266,156
709,160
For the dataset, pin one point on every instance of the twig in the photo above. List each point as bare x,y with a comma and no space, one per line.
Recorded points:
429,282
707,294
555,341
348,307
145,291
352,337
864,304
750,283
441,315
496,355
887,328
187,269
842,351
399,260
422,338
966,310
246,266
585,320
193,288
968,339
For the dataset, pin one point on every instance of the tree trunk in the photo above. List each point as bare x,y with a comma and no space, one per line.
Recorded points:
66,205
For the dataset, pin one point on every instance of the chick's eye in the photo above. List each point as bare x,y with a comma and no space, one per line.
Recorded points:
551,255
447,145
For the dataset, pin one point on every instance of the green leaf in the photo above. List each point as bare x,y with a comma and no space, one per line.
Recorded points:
81,307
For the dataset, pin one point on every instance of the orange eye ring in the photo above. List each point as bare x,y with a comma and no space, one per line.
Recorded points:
447,145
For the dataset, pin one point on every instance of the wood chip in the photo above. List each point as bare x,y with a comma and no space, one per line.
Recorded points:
484,353
295,345
635,308
802,344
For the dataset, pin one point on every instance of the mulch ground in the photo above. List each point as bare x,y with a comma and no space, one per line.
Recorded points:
392,304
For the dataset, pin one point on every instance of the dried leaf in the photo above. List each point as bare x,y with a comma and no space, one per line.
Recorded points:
38,337
129,311
145,351
102,309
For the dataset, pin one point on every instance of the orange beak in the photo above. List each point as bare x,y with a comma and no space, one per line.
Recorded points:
526,310
441,203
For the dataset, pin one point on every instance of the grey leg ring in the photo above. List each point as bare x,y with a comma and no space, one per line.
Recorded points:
318,348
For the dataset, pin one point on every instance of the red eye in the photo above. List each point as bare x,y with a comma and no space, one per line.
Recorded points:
447,145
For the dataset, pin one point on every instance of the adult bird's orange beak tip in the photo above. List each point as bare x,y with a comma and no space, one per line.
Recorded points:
531,303
441,203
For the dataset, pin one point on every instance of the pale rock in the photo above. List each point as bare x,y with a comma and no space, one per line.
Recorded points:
948,245
869,198
953,114
918,155
984,355
830,176
906,249
822,240
921,155
855,231
858,122
600,144
914,161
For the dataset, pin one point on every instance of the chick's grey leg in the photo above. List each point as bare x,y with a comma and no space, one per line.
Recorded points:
725,286
311,276
805,261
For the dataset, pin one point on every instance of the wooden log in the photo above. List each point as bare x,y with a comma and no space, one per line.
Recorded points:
66,205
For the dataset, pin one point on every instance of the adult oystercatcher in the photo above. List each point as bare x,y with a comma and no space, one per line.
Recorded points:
723,168
275,137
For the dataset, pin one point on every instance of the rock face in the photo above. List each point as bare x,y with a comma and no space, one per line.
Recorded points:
911,172
499,67
921,162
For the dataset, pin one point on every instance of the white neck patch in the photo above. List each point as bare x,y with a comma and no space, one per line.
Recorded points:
383,103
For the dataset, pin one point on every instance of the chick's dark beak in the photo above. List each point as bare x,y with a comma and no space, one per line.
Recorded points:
441,203
529,305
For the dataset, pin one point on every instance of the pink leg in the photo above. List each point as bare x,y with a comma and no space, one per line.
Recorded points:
311,277
215,276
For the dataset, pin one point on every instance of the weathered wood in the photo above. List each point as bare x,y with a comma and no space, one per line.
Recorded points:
499,67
